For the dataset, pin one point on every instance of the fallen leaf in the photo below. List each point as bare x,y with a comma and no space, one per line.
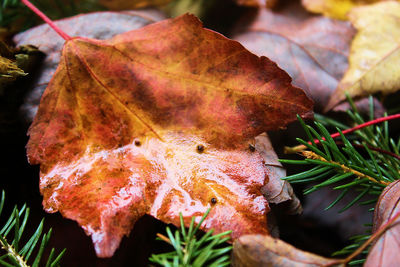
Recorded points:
98,25
385,252
276,190
158,121
257,3
336,9
375,53
313,50
132,4
264,250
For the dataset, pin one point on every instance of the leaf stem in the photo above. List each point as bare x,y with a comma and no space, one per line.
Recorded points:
46,19
299,148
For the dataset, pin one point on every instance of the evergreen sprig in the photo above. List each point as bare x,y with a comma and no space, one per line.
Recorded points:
365,161
13,253
191,250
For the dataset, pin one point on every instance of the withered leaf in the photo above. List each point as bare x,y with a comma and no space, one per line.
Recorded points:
264,250
313,50
337,9
158,121
375,52
9,69
257,3
276,190
385,252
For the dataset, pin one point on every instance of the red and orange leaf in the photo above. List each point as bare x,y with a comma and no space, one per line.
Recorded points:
158,121
98,25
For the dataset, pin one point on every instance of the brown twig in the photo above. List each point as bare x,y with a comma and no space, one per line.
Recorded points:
164,238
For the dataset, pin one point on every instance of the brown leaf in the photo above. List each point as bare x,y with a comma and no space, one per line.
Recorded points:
385,252
375,53
276,190
259,250
158,121
257,3
313,50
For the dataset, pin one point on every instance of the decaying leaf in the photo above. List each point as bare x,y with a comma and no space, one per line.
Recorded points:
337,9
257,3
276,190
264,250
313,50
99,25
385,252
375,52
158,121
9,69
132,4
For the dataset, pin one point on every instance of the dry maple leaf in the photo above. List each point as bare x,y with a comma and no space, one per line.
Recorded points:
313,50
385,252
375,53
259,250
158,121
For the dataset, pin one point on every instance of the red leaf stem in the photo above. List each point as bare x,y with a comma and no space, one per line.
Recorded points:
289,150
366,124
46,19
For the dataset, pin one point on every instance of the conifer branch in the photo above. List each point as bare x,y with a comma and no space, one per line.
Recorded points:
365,161
13,254
191,250
312,155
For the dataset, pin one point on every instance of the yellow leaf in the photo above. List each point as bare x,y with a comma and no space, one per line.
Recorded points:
375,52
337,9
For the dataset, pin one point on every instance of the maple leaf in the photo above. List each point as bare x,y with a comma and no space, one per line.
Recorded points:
313,50
375,53
158,121
98,25
337,9
385,251
264,250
